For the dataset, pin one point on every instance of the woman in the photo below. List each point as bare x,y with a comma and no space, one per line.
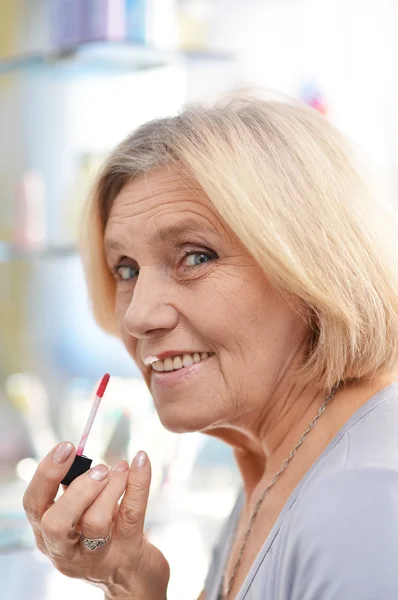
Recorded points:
253,278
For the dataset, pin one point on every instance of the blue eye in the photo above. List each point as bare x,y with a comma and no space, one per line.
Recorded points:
126,272
194,259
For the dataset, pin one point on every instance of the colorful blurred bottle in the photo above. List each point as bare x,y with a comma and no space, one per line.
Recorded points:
37,26
67,23
195,19
137,21
103,20
152,22
11,42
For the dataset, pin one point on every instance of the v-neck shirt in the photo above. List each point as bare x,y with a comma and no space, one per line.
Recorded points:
336,537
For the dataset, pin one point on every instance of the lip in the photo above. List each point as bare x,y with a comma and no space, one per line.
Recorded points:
172,378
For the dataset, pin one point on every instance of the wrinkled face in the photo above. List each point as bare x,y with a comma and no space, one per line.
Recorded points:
195,311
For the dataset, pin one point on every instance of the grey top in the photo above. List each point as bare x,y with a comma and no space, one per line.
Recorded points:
337,535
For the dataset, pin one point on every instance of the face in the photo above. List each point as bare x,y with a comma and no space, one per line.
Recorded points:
195,311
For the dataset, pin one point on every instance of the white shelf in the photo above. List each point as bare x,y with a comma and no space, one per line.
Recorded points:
104,58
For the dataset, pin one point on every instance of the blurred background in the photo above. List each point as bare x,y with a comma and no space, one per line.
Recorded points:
76,76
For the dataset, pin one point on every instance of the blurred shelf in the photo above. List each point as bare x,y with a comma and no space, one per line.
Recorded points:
10,253
105,58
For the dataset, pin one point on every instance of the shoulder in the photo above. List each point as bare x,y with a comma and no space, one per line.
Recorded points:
349,492
343,537
362,501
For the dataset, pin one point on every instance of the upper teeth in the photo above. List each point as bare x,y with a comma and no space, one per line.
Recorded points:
177,362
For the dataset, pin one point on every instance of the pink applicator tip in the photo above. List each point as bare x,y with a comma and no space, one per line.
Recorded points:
102,385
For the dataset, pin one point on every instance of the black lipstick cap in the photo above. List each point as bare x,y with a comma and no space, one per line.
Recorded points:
80,465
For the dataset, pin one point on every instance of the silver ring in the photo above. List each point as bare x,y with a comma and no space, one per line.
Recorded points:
94,544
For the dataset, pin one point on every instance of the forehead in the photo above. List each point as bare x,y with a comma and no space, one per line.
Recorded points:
163,197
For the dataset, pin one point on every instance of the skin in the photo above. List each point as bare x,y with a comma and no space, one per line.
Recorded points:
175,306
185,283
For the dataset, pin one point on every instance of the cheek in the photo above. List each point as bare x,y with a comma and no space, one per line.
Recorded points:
211,307
244,312
278,331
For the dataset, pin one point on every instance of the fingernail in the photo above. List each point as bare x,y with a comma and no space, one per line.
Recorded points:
140,459
121,466
63,452
99,473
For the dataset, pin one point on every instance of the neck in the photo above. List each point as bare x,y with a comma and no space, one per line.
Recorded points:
263,443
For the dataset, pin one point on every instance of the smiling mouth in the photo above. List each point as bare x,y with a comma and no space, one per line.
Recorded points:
175,363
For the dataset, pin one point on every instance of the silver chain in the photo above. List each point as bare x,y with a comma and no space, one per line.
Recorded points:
273,481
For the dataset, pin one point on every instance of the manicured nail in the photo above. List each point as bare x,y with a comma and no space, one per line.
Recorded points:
121,466
140,459
63,452
99,473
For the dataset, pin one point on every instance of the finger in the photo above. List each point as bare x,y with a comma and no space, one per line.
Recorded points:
96,522
58,524
130,521
115,513
40,544
43,488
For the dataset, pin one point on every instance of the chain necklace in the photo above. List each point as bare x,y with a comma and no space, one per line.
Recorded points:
285,464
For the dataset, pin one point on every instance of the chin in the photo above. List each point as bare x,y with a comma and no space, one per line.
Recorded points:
177,420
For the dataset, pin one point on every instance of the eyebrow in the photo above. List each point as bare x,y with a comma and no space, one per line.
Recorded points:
178,230
169,233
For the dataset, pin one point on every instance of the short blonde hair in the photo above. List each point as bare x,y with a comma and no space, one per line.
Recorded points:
285,181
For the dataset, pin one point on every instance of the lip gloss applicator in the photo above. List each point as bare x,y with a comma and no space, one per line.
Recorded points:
82,463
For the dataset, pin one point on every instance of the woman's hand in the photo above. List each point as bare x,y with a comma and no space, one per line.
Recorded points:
128,567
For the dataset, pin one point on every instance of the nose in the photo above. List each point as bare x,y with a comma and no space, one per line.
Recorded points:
150,312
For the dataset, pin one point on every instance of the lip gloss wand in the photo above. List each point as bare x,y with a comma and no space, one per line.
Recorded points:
82,463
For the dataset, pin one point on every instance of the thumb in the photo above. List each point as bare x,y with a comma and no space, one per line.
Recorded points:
131,517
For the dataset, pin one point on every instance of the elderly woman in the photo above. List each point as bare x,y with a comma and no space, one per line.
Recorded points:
243,261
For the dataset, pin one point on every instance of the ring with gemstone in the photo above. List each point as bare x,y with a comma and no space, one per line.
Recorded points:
91,544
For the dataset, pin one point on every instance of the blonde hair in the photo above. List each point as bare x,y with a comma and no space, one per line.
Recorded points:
286,183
